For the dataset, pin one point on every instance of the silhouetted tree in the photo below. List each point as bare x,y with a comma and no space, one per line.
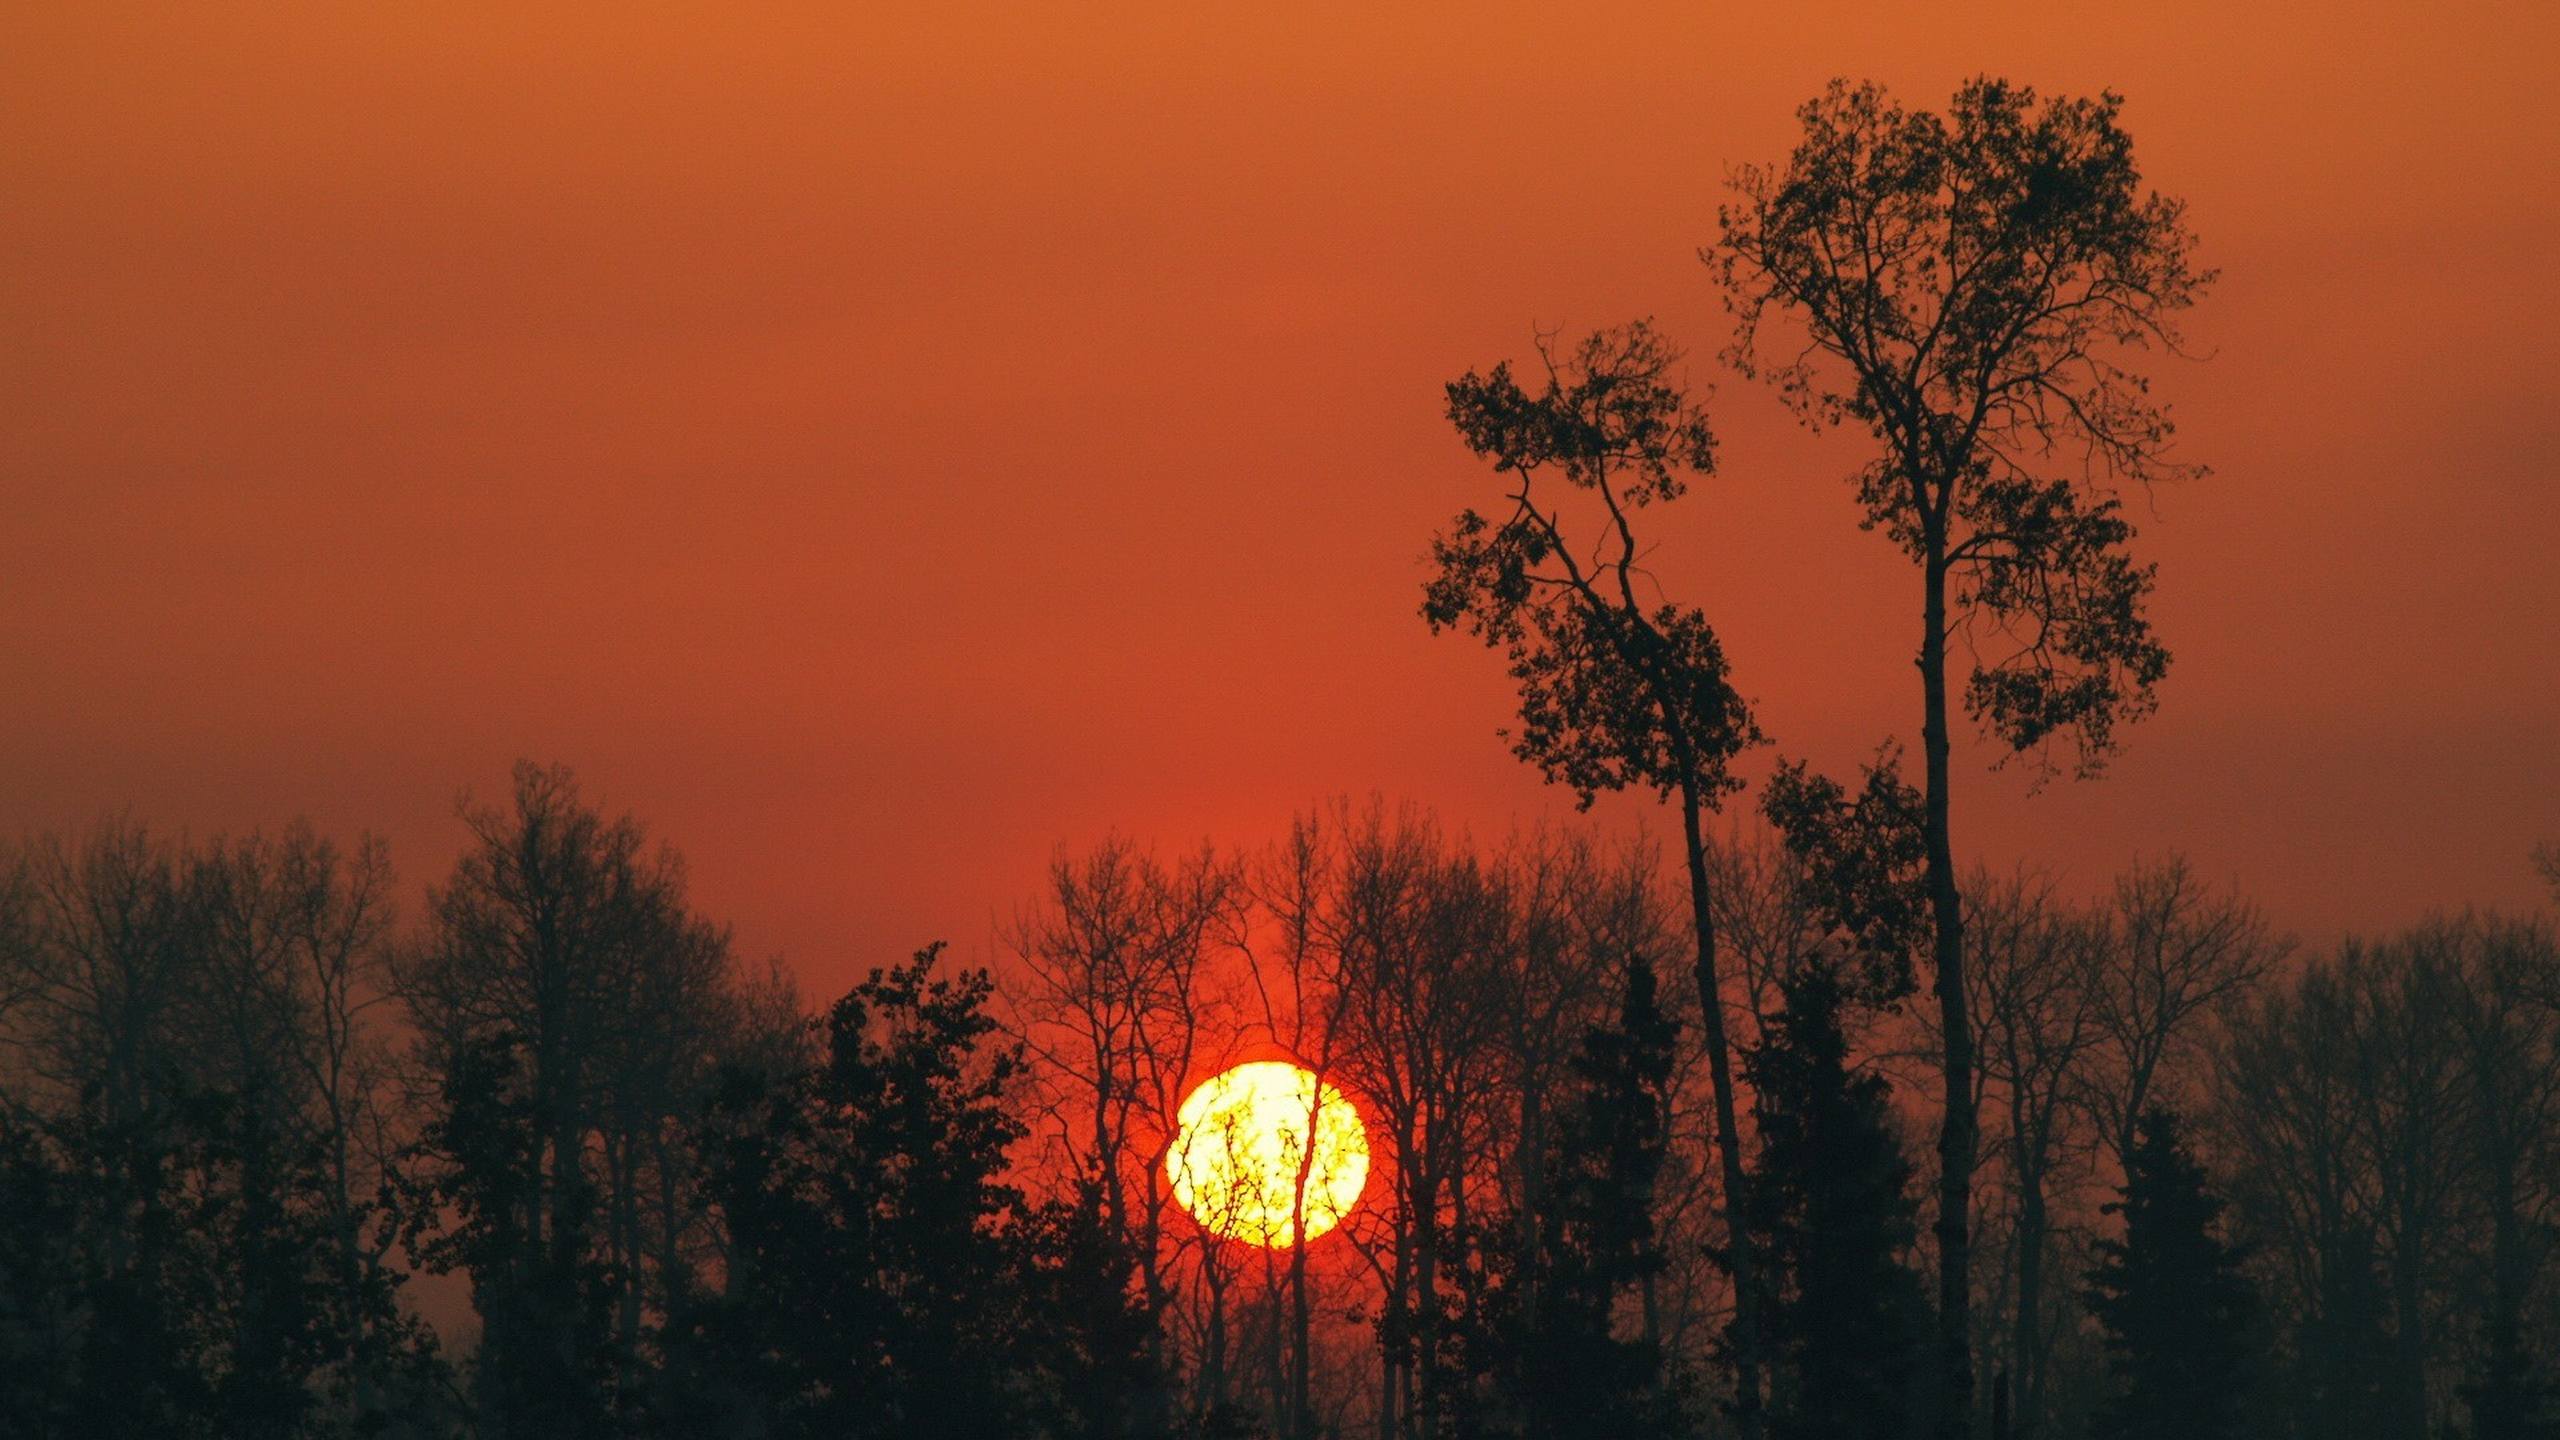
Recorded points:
1094,1331
885,1278
1418,936
150,1288
1614,693
2286,1080
2393,1113
1116,996
2511,1063
2178,1312
295,935
2408,1107
22,970
1771,915
571,1012
1548,1332
41,1312
1861,858
110,974
181,1138
479,1200
2032,962
112,1280
2342,1360
1967,285
1846,1315
1300,1001
2173,951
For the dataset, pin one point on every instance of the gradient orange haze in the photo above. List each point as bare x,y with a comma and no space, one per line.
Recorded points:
877,442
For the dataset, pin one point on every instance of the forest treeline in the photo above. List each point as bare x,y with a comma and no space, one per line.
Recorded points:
2229,1187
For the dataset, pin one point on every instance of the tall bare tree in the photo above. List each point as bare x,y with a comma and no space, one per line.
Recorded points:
2174,951
1415,933
116,970
571,1010
2285,1083
2030,964
296,933
1117,999
2511,1067
2409,1106
1967,287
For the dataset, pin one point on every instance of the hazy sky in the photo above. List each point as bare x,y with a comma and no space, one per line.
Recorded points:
879,443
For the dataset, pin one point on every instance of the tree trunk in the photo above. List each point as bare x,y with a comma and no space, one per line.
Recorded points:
2409,1334
1301,1362
2026,1368
1956,1125
2504,1392
1740,1256
1426,1301
1213,1354
1395,1313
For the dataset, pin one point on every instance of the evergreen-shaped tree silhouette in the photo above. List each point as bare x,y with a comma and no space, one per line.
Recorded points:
1554,1338
2177,1311
1846,1313
886,1277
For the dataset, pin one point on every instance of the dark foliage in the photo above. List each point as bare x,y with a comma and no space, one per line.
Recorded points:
1969,284
1846,1313
1969,287
1547,1330
175,1275
885,1279
546,1364
1615,693
2178,1312
1863,857
2343,1370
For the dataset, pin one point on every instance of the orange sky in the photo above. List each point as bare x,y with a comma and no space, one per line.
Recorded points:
878,442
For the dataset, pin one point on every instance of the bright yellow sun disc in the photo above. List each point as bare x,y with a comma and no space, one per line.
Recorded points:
1241,1151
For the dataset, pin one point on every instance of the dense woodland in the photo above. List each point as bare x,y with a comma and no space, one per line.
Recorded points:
1783,1126
250,1099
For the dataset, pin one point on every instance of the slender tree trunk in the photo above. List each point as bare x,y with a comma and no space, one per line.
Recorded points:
1395,1382
1301,1316
353,1264
2504,1395
1531,1162
1387,1402
624,1161
2409,1334
1741,1257
1275,1343
2021,1388
2410,1305
1426,1305
1301,1362
2027,1339
1956,1139
1213,1356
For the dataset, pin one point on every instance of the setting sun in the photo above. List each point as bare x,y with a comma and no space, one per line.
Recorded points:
1242,1147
